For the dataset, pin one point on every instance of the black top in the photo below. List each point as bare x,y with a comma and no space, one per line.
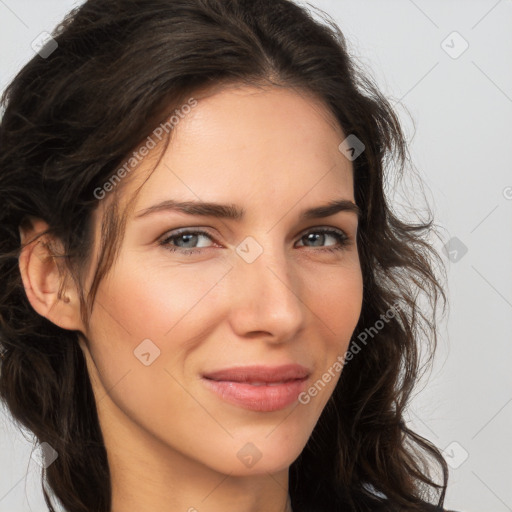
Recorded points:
383,505
434,508
427,507
363,501
375,506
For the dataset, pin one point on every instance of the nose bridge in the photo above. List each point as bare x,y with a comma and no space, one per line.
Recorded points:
268,292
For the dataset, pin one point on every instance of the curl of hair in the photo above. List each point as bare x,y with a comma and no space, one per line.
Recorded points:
71,119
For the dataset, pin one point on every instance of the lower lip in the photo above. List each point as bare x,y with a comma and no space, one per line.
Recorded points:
263,398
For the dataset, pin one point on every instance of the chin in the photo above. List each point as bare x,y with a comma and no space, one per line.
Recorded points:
259,451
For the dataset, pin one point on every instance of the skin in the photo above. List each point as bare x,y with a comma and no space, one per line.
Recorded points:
172,443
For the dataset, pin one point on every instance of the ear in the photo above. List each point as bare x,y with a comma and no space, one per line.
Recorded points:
43,277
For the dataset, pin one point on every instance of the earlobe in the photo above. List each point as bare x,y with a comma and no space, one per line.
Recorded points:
42,278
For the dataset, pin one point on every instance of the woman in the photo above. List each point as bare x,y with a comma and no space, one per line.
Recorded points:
252,371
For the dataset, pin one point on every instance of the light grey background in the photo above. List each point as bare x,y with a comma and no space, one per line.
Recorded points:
461,144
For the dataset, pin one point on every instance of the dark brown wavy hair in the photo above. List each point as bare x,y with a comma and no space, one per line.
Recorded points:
72,118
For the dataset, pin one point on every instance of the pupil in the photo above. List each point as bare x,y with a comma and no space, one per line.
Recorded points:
189,236
312,235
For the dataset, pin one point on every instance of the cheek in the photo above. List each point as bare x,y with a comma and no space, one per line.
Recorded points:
334,295
143,328
154,300
161,311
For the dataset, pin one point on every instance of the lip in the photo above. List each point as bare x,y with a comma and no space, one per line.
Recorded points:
259,388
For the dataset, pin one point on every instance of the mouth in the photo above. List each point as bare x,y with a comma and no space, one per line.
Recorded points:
259,388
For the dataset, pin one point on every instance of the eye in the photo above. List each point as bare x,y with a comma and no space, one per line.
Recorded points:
185,241
188,237
321,234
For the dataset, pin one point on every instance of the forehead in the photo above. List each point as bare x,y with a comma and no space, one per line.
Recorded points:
244,141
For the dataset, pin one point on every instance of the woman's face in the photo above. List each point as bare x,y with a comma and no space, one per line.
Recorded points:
199,344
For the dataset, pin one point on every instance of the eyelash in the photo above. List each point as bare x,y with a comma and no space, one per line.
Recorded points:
343,240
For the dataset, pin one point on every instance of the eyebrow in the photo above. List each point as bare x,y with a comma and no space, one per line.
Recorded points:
234,212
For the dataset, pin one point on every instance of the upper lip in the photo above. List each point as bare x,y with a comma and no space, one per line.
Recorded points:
259,373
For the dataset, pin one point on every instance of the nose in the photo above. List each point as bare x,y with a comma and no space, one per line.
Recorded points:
266,294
